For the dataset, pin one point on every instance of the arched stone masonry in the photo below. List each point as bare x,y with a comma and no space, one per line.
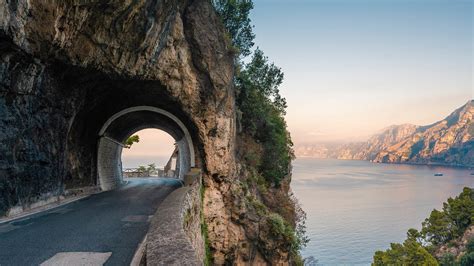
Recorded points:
126,122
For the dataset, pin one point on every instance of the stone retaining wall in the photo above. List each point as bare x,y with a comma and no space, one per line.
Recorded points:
174,237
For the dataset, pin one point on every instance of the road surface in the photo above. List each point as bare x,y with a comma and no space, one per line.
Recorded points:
103,228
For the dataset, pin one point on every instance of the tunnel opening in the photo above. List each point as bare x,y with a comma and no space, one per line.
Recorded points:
150,153
112,111
120,126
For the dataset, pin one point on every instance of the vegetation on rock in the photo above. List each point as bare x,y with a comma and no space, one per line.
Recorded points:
204,231
265,146
235,17
150,169
468,257
441,228
457,215
262,109
131,140
411,252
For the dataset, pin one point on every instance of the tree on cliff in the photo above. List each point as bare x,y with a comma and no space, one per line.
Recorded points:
262,130
261,106
439,229
457,215
411,252
262,110
131,140
468,257
235,17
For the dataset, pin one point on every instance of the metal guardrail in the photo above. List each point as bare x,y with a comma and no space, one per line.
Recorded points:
135,169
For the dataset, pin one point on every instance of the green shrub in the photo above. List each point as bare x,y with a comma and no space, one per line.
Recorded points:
408,253
131,140
261,106
470,245
452,221
235,17
447,259
468,258
281,229
259,207
204,232
461,211
438,229
262,117
266,146
411,252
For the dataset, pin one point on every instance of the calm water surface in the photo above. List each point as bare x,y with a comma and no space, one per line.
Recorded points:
356,207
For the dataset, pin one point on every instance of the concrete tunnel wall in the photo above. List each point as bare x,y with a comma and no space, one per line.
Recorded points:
108,159
128,121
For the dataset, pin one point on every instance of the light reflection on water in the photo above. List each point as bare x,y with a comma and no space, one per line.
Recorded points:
356,207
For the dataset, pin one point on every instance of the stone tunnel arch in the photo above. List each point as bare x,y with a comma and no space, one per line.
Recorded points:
128,121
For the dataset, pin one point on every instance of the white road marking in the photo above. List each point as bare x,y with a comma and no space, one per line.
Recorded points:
77,259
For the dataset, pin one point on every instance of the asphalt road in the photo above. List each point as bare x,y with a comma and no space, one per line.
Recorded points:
113,221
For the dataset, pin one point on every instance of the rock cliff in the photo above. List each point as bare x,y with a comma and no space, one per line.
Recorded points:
449,142
456,247
68,66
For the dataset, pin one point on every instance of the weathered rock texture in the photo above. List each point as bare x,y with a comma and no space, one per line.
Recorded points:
174,237
68,66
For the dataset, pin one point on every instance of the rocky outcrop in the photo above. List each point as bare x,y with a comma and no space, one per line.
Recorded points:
382,141
447,142
457,247
62,60
68,66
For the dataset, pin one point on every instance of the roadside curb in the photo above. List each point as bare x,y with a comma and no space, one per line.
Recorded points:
139,253
46,207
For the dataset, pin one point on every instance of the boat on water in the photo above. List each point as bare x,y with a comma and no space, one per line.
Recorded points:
472,173
438,174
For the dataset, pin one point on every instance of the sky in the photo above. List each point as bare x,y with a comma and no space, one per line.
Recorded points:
354,67
155,146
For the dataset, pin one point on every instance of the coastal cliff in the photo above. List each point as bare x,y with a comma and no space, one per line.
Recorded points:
446,142
449,141
66,67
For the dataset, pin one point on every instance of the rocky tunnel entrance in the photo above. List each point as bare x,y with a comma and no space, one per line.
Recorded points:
123,124
76,79
112,112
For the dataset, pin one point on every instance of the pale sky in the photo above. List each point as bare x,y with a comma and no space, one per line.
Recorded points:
155,146
353,67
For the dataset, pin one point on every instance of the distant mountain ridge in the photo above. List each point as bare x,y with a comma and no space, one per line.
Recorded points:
447,142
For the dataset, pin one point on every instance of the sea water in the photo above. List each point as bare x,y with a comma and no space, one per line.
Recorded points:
357,207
